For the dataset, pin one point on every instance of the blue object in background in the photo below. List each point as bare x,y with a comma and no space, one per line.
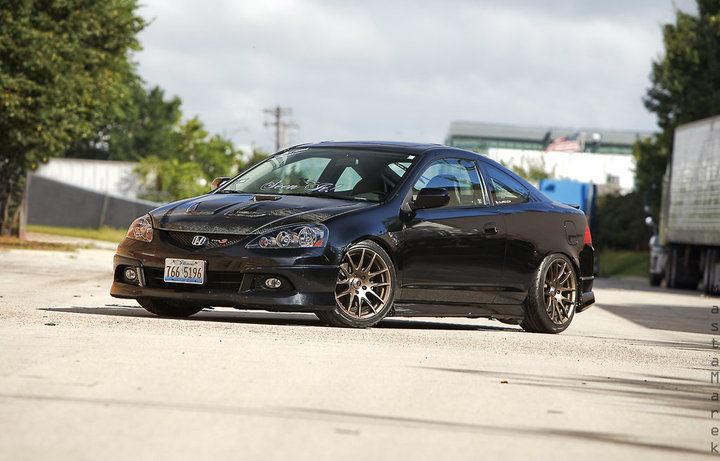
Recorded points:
578,194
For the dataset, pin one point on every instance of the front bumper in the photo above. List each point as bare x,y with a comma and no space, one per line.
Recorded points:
234,277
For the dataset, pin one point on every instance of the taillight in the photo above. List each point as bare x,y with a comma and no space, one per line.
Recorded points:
587,240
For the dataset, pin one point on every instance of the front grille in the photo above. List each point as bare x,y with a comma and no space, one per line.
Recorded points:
214,280
185,239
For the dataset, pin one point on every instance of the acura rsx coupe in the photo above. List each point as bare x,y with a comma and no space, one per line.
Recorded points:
358,231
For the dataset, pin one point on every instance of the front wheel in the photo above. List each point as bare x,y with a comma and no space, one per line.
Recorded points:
365,287
552,298
169,308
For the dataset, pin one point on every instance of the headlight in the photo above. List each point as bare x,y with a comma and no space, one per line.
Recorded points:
141,229
295,236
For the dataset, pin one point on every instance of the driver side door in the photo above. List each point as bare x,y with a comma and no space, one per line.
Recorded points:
454,254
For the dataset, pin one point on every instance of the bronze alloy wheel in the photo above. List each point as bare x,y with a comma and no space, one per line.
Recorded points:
363,285
560,291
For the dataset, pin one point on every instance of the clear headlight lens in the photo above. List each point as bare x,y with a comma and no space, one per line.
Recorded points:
141,229
295,236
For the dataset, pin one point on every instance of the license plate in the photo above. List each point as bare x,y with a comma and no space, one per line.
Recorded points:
184,271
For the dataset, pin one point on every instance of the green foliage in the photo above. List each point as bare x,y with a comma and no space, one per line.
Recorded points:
686,79
105,233
145,127
685,86
651,157
623,263
191,161
64,67
620,222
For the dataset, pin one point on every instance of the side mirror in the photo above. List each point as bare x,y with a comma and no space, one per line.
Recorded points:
431,197
217,182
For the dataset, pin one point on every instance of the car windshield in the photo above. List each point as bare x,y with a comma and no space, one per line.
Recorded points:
348,174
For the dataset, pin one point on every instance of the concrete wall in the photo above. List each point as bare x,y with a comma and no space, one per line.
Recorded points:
54,203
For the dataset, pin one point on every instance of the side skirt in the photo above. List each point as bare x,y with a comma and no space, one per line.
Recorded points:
498,311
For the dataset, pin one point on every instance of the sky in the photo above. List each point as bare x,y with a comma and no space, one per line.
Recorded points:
403,70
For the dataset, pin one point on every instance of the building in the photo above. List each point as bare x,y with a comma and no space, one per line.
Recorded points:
481,137
589,155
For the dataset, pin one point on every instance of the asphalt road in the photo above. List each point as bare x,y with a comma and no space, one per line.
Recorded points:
86,376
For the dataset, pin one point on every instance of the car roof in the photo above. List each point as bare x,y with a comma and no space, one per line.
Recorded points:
395,146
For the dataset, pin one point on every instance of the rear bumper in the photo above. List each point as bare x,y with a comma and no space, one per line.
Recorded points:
587,296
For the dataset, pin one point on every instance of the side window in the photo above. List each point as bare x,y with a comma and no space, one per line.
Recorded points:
505,189
347,180
459,177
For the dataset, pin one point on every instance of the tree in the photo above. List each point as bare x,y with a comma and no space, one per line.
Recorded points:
145,127
651,158
193,159
618,219
64,67
685,86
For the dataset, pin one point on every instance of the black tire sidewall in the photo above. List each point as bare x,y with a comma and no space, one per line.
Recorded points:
536,317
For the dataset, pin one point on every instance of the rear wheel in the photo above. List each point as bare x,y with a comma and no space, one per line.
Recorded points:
365,287
655,279
165,308
552,298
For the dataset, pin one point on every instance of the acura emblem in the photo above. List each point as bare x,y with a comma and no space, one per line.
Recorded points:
199,240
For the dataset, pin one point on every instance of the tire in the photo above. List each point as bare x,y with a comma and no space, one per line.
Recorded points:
356,306
655,279
709,275
539,302
171,309
672,278
678,276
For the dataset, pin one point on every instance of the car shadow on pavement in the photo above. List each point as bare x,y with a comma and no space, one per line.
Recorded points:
676,396
664,317
272,318
372,419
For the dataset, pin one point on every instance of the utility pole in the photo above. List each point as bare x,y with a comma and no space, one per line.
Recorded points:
280,123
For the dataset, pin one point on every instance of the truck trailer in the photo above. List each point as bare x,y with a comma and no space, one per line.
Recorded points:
685,250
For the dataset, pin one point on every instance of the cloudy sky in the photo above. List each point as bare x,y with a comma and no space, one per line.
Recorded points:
403,70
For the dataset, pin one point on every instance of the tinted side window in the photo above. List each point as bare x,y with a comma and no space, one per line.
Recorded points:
505,189
459,177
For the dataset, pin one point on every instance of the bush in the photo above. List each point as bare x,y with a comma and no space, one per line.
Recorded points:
621,223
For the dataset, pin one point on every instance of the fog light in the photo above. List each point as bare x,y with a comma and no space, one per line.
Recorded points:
273,283
131,274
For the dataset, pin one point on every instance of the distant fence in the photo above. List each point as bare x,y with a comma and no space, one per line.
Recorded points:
54,203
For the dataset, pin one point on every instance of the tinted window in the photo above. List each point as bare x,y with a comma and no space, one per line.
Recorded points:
459,177
347,180
342,173
505,189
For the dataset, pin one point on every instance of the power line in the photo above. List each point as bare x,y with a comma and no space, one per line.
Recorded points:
280,124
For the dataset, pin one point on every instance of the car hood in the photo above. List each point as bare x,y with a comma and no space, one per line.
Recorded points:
243,214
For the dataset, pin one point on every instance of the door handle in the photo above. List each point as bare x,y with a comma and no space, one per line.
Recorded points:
491,229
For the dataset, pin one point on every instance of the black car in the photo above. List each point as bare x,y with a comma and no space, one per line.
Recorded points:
359,231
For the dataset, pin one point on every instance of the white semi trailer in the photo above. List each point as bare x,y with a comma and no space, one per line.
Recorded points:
686,250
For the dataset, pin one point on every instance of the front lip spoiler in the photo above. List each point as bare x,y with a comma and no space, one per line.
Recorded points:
293,302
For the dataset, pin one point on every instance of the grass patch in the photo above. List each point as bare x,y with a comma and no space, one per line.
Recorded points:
618,263
108,234
14,243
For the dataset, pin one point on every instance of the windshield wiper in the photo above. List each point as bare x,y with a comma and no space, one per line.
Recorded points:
335,196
